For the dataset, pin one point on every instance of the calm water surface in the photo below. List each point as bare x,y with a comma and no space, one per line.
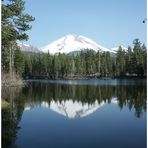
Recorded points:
76,114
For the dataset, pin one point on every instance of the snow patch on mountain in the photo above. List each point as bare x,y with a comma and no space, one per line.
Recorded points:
115,49
71,43
28,48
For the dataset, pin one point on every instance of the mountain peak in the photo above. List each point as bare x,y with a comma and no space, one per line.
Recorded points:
71,43
28,48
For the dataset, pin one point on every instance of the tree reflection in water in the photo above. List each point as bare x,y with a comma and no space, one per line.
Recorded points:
10,118
132,96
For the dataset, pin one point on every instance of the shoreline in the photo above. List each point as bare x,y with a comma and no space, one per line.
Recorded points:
88,78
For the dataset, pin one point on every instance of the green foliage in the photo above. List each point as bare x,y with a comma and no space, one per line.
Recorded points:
14,21
19,62
120,61
88,64
14,25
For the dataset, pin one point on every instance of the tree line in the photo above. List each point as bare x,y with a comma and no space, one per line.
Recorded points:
86,64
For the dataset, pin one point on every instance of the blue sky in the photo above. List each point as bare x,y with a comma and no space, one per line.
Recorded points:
108,22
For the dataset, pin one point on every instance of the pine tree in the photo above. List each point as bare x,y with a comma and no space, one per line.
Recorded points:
98,62
14,25
120,62
19,62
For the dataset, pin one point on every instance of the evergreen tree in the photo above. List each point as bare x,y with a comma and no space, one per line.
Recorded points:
98,62
138,54
120,62
87,63
14,25
129,61
19,62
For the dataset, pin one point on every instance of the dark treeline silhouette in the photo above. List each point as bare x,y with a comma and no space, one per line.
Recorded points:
87,64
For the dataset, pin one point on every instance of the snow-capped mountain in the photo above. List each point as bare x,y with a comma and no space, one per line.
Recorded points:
72,43
28,48
69,44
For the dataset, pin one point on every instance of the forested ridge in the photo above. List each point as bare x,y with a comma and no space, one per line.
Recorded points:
86,64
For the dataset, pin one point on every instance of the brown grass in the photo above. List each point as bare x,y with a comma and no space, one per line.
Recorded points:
11,80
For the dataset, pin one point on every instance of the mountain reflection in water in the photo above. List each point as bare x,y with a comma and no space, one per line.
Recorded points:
70,109
70,100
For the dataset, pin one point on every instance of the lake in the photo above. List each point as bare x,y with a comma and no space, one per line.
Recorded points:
76,114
